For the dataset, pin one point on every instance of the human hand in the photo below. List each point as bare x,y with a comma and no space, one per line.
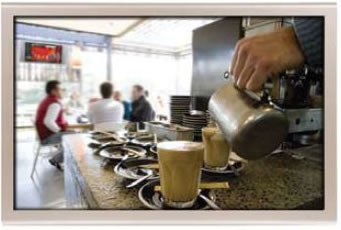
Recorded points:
262,56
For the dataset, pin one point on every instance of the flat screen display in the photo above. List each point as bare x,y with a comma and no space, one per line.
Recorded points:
37,52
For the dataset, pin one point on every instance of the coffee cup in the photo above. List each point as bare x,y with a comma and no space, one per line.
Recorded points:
217,149
180,171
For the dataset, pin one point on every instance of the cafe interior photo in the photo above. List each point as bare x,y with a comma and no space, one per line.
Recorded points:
144,113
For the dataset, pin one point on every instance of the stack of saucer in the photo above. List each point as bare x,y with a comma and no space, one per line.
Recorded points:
208,117
179,105
196,120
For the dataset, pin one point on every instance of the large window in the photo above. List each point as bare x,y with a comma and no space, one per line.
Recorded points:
82,80
157,73
184,74
161,75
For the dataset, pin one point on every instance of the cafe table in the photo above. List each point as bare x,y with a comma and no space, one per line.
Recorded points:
277,182
73,125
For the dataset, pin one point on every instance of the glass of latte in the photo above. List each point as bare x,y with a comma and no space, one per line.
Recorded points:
217,149
180,171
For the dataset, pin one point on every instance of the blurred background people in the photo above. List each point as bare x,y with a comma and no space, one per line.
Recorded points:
74,103
106,114
50,122
126,105
141,108
161,109
146,94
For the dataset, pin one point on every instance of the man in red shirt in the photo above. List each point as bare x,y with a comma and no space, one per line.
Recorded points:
50,122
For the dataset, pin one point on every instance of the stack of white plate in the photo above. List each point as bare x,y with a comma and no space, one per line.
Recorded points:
196,120
179,105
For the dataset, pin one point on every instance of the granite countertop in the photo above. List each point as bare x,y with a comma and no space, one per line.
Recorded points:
275,182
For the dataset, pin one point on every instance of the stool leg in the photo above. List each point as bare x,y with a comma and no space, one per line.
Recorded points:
35,160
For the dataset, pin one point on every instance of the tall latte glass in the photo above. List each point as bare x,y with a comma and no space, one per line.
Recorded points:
217,149
180,170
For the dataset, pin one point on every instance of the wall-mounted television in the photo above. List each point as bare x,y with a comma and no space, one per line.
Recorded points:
38,52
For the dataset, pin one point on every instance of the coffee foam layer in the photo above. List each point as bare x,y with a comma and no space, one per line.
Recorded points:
181,146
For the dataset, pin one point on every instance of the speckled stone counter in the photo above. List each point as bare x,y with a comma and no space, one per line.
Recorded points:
276,182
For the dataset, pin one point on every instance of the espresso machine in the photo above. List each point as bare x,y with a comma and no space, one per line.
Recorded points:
299,94
286,114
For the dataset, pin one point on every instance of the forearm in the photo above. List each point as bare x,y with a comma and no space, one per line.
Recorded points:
51,116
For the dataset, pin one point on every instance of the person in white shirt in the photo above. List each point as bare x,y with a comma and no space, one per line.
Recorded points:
106,114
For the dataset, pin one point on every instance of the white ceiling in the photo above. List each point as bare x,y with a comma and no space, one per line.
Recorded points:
163,33
113,27
174,33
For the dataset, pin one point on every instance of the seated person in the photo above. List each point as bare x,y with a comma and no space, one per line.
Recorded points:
127,106
49,122
106,114
141,108
74,104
